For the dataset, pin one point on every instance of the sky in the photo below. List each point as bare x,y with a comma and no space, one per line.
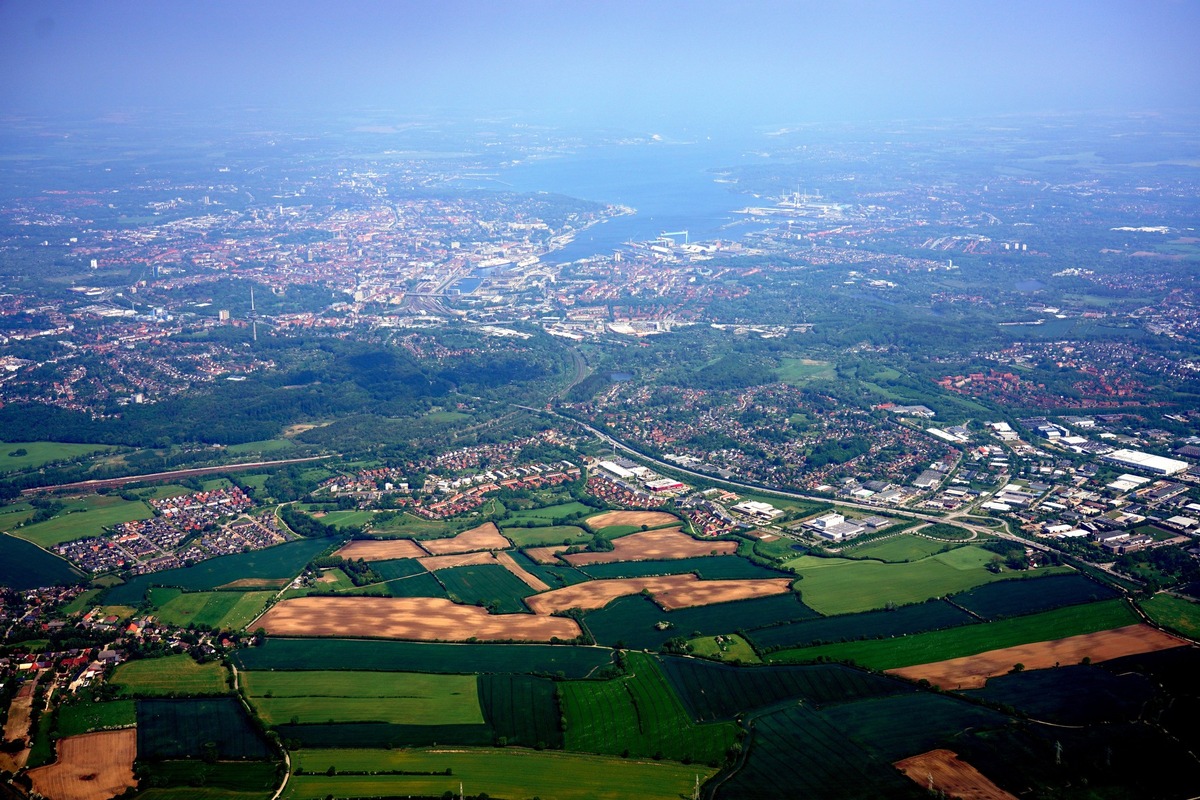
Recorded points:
733,60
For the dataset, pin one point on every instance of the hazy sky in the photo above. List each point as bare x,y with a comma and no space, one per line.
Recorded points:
763,62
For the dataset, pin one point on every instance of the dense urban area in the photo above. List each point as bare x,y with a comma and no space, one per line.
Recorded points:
381,460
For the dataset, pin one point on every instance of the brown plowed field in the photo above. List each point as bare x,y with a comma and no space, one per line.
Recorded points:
434,563
530,580
972,672
650,518
545,555
668,543
95,766
669,591
951,776
418,618
17,726
380,549
485,537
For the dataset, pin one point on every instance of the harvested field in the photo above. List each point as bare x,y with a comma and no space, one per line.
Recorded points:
434,563
17,727
485,537
532,581
669,543
669,591
255,583
943,771
639,518
972,672
417,618
380,549
545,555
95,766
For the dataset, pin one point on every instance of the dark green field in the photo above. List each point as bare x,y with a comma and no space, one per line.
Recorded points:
554,576
423,584
573,662
1014,598
490,585
633,620
280,562
521,709
929,616
796,752
707,567
1071,695
382,734
397,568
182,729
718,692
234,776
26,566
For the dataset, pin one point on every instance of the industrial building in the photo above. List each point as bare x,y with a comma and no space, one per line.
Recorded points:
1135,459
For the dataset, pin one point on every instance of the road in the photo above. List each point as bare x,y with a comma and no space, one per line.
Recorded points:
168,476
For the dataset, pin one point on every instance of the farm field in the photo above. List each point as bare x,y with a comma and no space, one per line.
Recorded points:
404,524
669,591
380,549
38,454
1029,596
83,517
548,514
416,618
346,519
1176,613
435,563
177,674
894,549
489,585
483,537
281,562
966,640
970,672
704,567
350,654
346,696
842,586
638,713
506,561
951,775
1075,694
173,728
635,519
521,709
95,766
219,610
85,717
499,773
633,621
24,566
255,778
545,535
916,618
725,647
669,543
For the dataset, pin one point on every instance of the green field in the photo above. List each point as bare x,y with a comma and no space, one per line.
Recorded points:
263,446
405,524
905,547
220,610
24,566
925,648
86,717
14,514
844,586
491,585
344,696
731,648
84,517
638,714
507,773
799,371
343,519
1175,613
258,777
38,454
82,603
545,535
177,674
547,515
162,492
188,728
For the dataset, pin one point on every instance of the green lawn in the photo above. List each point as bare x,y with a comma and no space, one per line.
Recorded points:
87,516
38,453
546,535
926,648
1182,616
844,586
169,675
341,519
731,648
344,696
507,773
905,547
224,610
82,603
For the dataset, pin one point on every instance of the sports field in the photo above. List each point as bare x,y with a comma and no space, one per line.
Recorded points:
508,773
843,586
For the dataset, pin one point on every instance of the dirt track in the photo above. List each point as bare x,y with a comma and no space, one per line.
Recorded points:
667,544
972,672
951,776
417,618
95,766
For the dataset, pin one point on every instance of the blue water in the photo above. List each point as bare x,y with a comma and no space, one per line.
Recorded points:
669,185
